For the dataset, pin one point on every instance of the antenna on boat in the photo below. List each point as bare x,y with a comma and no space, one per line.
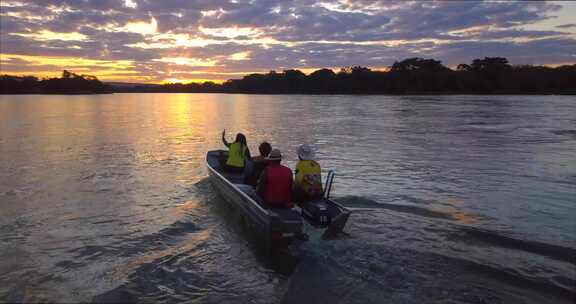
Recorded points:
328,185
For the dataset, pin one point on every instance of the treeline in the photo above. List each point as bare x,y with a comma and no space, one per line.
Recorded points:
491,75
69,83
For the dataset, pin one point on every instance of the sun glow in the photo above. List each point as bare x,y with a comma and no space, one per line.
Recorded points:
68,62
240,56
140,27
51,66
189,80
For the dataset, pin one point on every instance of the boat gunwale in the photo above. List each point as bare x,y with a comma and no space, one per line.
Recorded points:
244,195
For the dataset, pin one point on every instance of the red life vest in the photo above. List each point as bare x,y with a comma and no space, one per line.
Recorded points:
278,185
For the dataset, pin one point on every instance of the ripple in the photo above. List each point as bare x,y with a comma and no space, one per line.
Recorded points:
496,238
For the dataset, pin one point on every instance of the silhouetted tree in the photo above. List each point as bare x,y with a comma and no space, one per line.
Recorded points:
68,83
321,81
463,67
412,75
419,75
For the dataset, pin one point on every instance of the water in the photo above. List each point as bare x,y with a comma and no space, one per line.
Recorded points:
456,199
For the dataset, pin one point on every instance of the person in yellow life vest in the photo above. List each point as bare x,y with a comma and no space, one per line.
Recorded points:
237,153
308,182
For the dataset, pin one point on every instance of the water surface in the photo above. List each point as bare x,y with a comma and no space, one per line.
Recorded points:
456,199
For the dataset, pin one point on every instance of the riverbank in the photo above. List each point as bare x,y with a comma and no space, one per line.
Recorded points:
58,93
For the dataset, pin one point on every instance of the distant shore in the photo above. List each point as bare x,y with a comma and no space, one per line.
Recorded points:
55,93
412,76
431,93
318,94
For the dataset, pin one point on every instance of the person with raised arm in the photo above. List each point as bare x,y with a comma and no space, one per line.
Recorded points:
237,153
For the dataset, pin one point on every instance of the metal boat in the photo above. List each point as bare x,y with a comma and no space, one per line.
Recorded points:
271,224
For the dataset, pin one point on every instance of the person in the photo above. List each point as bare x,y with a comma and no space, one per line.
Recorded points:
308,182
265,148
258,163
237,153
275,182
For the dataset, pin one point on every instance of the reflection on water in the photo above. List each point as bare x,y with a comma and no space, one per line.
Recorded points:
106,197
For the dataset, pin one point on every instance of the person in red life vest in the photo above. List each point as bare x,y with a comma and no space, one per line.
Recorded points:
275,182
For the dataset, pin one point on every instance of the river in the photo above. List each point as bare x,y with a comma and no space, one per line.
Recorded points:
455,199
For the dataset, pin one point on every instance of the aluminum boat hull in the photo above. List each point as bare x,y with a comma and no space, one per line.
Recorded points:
271,225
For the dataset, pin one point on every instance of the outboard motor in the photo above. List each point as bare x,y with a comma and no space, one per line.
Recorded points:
317,212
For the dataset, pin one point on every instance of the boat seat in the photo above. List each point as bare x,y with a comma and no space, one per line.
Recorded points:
214,158
235,178
251,193
284,213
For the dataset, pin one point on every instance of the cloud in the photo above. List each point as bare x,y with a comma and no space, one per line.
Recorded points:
45,35
552,51
565,26
513,33
223,38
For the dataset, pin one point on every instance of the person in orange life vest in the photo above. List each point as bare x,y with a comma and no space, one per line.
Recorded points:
237,153
308,182
259,163
275,182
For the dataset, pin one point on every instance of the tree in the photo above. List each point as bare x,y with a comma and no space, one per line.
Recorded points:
418,64
463,67
494,70
490,64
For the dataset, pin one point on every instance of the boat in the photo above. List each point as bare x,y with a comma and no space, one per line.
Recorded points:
271,224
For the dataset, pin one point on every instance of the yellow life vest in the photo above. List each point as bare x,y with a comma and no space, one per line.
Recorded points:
236,153
308,177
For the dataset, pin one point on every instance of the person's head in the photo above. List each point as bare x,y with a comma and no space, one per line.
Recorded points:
275,156
240,138
306,152
264,149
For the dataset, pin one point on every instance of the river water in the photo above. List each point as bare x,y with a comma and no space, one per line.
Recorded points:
456,199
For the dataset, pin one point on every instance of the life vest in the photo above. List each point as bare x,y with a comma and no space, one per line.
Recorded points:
236,153
309,178
278,185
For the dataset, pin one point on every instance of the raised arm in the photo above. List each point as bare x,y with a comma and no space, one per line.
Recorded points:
227,144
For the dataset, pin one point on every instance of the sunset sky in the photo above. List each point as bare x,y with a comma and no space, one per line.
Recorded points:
184,40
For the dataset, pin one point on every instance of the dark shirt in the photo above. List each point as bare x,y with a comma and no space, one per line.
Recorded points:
258,166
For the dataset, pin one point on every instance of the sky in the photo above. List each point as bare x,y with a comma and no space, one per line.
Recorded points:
156,41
